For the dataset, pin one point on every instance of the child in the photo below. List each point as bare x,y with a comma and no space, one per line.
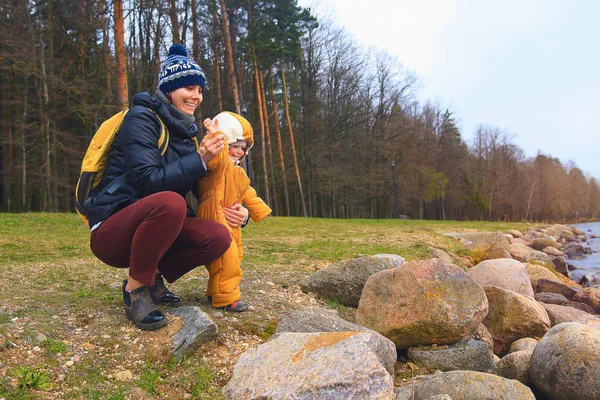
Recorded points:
225,184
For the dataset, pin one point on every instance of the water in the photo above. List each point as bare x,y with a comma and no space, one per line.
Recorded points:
591,262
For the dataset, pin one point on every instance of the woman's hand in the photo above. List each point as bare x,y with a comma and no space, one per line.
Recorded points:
210,146
235,215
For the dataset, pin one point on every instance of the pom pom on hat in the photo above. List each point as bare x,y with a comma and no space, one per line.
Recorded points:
178,50
179,71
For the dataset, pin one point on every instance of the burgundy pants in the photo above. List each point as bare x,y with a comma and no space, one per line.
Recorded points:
154,232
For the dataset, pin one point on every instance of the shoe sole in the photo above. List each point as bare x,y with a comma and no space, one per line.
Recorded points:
146,327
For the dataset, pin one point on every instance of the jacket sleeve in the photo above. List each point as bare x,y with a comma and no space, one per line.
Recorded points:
256,206
149,174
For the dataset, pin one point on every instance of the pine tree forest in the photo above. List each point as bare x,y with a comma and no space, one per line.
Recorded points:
339,130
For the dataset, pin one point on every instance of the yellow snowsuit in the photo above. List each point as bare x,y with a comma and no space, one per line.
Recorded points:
225,184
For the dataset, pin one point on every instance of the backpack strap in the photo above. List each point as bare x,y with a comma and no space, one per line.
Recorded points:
163,144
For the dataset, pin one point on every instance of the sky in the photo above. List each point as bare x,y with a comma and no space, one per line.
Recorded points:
528,67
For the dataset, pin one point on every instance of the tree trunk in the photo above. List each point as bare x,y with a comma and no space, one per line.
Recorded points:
269,148
195,35
291,132
106,50
229,58
233,30
174,22
216,59
123,91
262,130
286,201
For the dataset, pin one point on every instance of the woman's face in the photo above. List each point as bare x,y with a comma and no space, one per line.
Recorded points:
187,98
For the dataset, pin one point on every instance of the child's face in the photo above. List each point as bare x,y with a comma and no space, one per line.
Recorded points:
236,151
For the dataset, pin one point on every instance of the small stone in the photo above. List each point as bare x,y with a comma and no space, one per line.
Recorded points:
262,291
61,377
270,283
124,376
37,348
87,346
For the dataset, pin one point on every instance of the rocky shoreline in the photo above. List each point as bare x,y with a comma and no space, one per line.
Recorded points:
507,323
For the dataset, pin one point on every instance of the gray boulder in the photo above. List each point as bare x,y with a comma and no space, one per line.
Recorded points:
344,280
565,363
516,366
396,260
561,266
464,385
468,355
551,286
551,298
197,329
422,302
327,365
314,319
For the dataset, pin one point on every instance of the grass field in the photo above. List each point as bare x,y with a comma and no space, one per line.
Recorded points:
63,333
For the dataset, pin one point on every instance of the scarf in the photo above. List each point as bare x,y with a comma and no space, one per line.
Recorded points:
186,120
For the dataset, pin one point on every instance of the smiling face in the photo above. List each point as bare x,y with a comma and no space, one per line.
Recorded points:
187,98
237,150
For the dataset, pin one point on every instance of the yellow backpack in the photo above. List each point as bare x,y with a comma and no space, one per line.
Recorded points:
96,157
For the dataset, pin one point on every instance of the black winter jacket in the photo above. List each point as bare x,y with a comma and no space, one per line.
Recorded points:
135,152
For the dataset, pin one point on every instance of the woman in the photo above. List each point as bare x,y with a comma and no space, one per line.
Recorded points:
144,223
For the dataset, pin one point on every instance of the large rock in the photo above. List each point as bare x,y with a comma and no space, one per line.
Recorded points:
561,266
328,365
559,314
197,329
516,365
315,319
480,241
565,364
513,316
344,280
482,334
540,272
395,259
551,298
542,242
551,286
464,385
552,251
496,251
537,256
505,273
470,355
519,250
422,302
523,344
589,296
515,233
574,250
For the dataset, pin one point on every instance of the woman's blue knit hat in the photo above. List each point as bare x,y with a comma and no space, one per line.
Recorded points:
179,71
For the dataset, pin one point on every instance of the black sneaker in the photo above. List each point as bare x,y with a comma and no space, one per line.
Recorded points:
236,306
140,309
161,295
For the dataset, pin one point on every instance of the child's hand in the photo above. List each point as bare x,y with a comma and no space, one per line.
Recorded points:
211,127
